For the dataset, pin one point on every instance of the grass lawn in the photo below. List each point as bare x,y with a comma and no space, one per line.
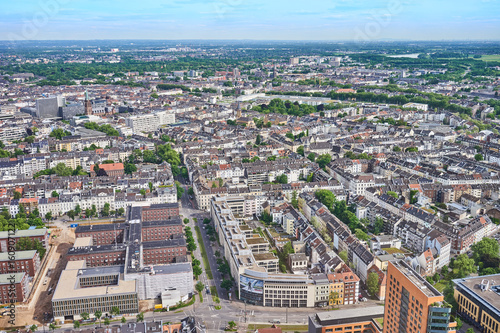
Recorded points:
285,328
203,253
491,57
380,321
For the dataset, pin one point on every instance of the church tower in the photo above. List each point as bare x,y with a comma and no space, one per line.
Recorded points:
87,104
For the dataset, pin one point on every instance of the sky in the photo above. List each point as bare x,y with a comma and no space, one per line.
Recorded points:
250,19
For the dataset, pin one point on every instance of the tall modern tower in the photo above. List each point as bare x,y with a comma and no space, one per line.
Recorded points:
87,104
413,305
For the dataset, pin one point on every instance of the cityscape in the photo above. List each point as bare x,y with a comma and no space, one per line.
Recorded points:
228,170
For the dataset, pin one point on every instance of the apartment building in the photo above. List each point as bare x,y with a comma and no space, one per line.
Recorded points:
39,234
15,287
21,261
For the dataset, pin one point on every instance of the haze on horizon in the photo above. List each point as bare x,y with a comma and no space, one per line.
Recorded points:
251,19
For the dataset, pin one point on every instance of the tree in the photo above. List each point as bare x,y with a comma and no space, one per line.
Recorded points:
98,315
396,149
378,225
258,140
372,284
295,201
282,179
224,268
311,157
59,133
231,324
78,209
333,298
343,255
17,195
140,317
129,168
361,235
107,321
190,191
226,284
290,136
71,214
115,311
105,209
85,315
478,157
33,328
150,185
62,170
487,246
180,190
300,150
470,330
120,211
464,265
76,324
323,160
52,327
197,271
199,286
54,194
123,320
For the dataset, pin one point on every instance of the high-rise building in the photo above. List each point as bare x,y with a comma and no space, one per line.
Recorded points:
413,305
478,300
50,107
87,104
236,73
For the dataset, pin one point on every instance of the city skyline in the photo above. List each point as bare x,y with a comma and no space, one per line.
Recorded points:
255,20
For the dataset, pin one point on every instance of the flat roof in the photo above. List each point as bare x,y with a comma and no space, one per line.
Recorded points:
67,286
18,255
490,297
83,242
327,317
23,233
416,279
6,278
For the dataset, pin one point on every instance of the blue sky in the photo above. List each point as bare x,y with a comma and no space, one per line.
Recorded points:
250,19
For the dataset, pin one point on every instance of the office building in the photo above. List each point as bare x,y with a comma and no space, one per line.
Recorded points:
478,301
347,321
413,305
48,108
81,289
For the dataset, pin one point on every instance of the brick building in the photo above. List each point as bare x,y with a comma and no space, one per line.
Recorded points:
164,252
159,230
109,170
102,234
40,234
17,283
159,212
25,261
